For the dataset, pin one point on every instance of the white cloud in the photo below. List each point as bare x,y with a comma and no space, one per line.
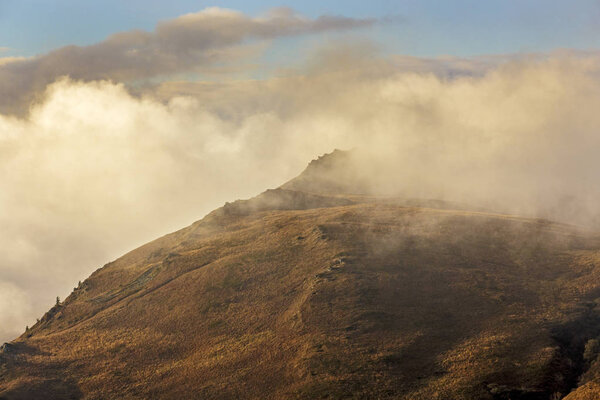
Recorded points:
14,304
84,176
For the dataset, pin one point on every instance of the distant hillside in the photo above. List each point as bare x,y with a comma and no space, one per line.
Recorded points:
318,289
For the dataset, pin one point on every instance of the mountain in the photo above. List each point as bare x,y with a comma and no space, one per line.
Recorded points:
319,289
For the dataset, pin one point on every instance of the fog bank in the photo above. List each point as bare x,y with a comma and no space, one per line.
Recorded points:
92,170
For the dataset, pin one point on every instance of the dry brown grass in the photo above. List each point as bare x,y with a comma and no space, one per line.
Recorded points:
369,300
297,295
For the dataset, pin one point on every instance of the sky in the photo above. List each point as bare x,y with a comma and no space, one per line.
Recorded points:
428,28
121,121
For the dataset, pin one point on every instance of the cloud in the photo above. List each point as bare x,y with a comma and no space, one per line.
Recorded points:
14,304
8,60
84,175
191,42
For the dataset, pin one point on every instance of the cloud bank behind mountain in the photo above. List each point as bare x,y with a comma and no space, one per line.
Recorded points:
97,166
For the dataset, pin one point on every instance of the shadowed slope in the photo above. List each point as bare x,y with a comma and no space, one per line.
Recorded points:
298,295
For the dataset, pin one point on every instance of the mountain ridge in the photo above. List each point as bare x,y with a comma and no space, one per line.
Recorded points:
300,293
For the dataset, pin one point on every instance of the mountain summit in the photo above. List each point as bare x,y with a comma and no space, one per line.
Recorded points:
334,173
319,289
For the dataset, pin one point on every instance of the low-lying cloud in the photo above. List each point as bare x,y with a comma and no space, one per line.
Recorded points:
91,170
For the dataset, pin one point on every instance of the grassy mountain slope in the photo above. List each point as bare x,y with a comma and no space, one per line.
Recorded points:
301,294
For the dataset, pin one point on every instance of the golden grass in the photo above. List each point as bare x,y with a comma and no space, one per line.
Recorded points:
363,300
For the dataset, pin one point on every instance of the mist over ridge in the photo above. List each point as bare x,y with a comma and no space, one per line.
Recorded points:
91,162
335,199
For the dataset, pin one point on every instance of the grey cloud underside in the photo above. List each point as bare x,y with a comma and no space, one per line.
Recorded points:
187,43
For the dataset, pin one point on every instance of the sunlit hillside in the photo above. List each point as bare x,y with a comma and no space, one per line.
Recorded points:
309,295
